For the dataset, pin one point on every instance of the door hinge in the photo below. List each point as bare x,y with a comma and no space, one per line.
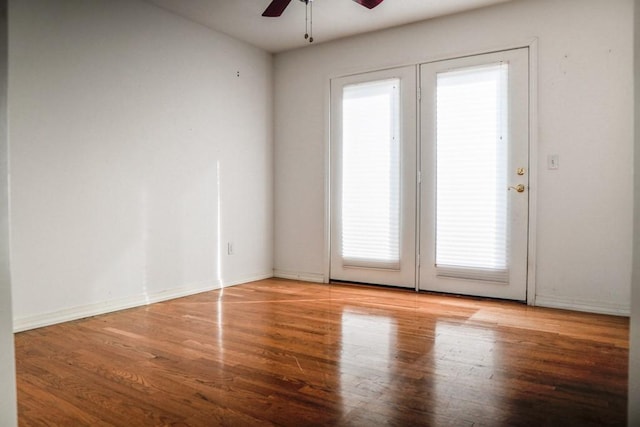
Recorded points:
419,177
419,93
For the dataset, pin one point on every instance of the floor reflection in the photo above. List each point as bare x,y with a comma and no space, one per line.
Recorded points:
366,348
412,369
464,363
382,361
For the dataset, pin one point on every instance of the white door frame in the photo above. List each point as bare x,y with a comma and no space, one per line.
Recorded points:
532,44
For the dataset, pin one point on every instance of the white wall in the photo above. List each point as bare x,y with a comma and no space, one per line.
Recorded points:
634,351
584,210
8,416
137,153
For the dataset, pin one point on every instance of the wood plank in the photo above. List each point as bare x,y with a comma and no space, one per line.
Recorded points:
280,352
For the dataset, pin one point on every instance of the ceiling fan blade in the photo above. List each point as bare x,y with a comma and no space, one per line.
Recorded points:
368,3
276,8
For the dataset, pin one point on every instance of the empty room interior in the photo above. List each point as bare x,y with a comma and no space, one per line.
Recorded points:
328,212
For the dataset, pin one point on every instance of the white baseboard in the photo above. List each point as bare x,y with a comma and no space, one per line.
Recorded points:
88,310
295,275
599,307
248,279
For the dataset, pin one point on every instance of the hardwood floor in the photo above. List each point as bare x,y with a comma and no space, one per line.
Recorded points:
279,352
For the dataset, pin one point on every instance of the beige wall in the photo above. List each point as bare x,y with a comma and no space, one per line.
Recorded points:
634,356
141,144
7,363
584,72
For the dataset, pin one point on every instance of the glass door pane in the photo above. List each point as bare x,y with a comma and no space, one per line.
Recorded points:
371,175
472,149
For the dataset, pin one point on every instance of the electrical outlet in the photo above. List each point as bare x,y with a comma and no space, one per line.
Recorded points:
230,248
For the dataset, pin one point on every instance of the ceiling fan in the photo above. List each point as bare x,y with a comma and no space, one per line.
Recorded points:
276,7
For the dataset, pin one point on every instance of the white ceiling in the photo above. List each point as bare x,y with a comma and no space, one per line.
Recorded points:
332,19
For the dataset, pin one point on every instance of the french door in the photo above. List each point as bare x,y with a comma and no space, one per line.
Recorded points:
447,211
373,177
474,205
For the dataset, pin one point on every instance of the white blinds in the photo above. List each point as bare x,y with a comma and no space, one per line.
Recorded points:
370,216
472,153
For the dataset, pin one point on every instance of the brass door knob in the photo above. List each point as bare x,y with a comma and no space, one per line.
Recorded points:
519,188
